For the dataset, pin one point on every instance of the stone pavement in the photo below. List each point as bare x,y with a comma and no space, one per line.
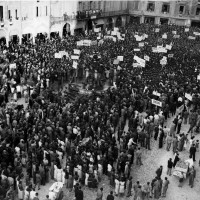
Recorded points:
151,159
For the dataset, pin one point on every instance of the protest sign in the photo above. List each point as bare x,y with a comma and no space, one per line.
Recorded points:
141,44
170,55
157,30
58,55
157,103
120,58
64,53
74,57
187,29
96,30
156,93
13,66
116,62
188,96
113,33
174,32
77,51
136,49
164,36
135,64
198,77
146,58
196,33
86,42
80,43
116,29
176,36
169,47
75,65
163,62
191,38
140,61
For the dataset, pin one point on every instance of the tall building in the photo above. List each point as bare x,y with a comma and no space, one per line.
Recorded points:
25,19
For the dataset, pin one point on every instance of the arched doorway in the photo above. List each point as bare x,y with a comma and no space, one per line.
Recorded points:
118,22
66,29
110,23
2,37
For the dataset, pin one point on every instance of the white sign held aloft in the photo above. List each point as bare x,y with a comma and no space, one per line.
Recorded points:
157,103
77,51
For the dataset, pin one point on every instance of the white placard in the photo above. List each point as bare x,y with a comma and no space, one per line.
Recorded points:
87,42
157,30
187,29
138,38
157,103
140,61
64,53
116,29
161,49
113,33
176,36
135,65
141,44
170,55
188,96
146,58
96,30
98,38
163,62
13,66
136,49
120,58
191,38
164,36
198,77
196,33
80,43
174,32
114,39
58,55
169,47
108,32
74,57
156,93
77,51
75,65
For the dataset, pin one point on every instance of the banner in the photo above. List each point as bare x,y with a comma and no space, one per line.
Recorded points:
157,103
77,51
120,58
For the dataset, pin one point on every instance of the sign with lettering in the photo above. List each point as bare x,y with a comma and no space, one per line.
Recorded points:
156,103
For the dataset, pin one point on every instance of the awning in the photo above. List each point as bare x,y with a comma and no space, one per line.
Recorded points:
2,33
41,29
99,22
14,32
27,30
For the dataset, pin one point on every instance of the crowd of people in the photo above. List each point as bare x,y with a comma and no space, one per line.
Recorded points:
78,142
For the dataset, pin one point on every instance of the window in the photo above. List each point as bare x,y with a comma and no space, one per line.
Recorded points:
80,6
36,11
91,3
99,5
151,6
1,13
46,11
181,9
83,5
9,14
165,8
198,10
16,14
136,5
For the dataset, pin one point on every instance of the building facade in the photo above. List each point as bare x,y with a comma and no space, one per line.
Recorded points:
26,19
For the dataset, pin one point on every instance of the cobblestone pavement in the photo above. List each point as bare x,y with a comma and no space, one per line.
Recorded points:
151,159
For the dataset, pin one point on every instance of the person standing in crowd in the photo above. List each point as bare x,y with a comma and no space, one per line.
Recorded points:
192,176
193,152
110,196
100,194
159,171
169,167
139,157
165,187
